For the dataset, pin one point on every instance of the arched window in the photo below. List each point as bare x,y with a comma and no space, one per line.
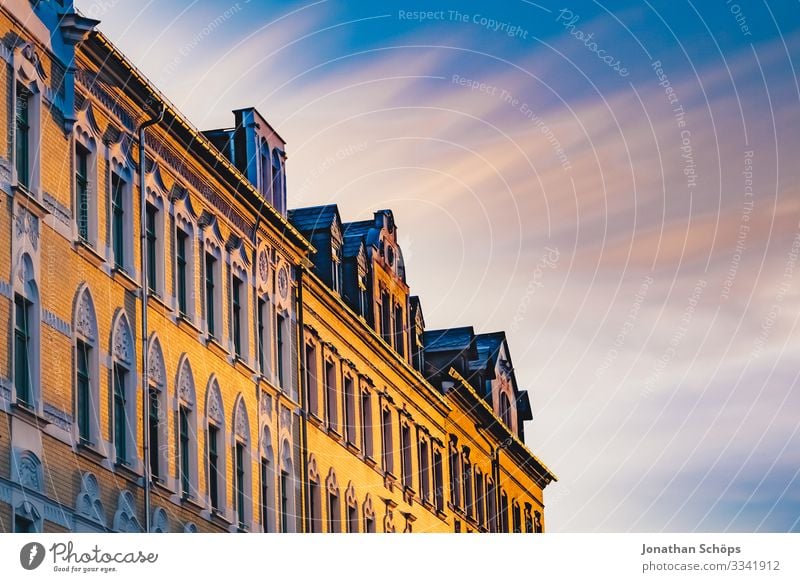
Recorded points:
160,521
265,167
87,137
503,511
369,515
314,498
157,410
334,503
278,182
86,367
215,447
505,411
123,390
88,503
187,428
125,517
352,508
267,482
516,517
286,490
27,334
491,494
241,463
154,237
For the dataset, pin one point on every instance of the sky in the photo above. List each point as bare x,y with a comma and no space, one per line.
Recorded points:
614,184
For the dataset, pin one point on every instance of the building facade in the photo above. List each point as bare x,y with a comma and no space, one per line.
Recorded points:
184,353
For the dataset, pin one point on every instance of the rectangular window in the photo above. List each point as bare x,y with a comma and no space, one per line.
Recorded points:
151,246
334,525
260,318
284,502
330,394
438,481
213,466
180,275
399,331
312,385
211,265
480,499
388,445
517,518
503,512
366,424
22,135
240,483
363,301
491,493
455,478
152,424
22,340
120,414
314,517
183,437
279,346
82,354
386,318
264,494
352,519
236,301
405,445
118,220
23,525
335,274
424,472
468,488
82,191
349,411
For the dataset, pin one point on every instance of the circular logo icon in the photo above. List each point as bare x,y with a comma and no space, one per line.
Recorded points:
31,555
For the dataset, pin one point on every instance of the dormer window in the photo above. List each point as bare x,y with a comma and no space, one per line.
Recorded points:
336,269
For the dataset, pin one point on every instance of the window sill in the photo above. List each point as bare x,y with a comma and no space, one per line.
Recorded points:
118,273
192,502
88,449
29,199
240,362
219,519
29,414
188,326
161,307
215,346
352,447
160,485
87,251
124,469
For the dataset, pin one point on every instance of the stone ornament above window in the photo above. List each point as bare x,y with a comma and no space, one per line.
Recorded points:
186,383
214,411
283,282
85,321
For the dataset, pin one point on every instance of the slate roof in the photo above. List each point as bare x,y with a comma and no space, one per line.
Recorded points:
448,340
313,218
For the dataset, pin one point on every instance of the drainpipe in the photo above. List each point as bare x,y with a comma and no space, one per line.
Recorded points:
301,357
145,294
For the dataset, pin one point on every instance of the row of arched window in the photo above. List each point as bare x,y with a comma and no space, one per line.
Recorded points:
222,474
333,511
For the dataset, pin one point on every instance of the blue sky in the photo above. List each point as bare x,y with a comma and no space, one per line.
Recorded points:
660,344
